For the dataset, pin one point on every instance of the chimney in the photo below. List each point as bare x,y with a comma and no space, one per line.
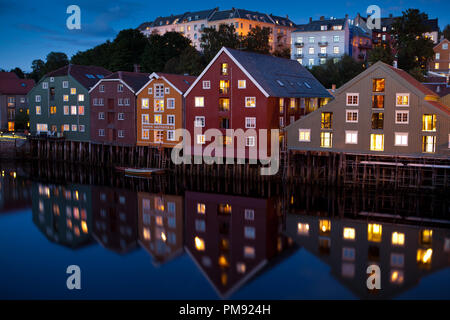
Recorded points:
322,18
310,19
137,67
333,87
390,15
395,64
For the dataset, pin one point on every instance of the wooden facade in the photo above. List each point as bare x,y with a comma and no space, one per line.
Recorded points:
383,111
161,109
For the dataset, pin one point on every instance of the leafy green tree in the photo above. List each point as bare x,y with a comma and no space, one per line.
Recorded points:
162,48
127,49
337,73
380,53
38,69
413,49
213,40
189,62
446,32
99,56
282,52
55,60
18,72
257,40
418,73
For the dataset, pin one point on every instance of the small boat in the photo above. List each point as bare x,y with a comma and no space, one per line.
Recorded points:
142,172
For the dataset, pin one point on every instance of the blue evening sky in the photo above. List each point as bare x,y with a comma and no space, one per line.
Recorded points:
31,29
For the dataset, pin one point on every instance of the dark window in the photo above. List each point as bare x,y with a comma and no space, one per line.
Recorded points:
224,123
377,120
52,94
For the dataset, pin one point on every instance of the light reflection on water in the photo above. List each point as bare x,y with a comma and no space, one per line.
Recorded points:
169,238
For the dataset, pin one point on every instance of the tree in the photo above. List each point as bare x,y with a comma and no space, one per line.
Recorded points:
189,62
283,52
160,49
257,40
213,40
413,49
446,32
38,69
380,53
98,56
127,49
337,73
55,60
18,72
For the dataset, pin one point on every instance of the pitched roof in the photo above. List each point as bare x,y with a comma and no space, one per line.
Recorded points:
317,24
440,106
405,75
280,77
10,83
183,17
181,82
441,89
88,76
135,80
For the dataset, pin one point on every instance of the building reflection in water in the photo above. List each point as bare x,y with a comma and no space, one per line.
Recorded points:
63,213
115,218
15,192
405,247
160,225
232,239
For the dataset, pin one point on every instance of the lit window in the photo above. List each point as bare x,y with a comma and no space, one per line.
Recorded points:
426,237
73,90
398,239
224,86
224,69
145,134
324,226
351,116
349,233
145,103
436,65
66,97
199,244
242,84
73,110
326,139
352,99
402,100
303,229
66,110
81,97
249,232
336,50
326,120
311,50
304,135
397,276
249,252
38,110
199,101
378,101
201,208
159,105
374,232
429,122
201,139
401,139
81,110
377,142
158,136
145,119
158,119
250,102
424,257
74,127
240,267
378,85
429,144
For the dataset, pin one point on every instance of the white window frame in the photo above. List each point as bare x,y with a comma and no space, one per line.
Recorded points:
396,99
66,110
38,108
37,98
170,132
52,79
199,138
249,214
72,108
351,132
249,121
171,116
150,90
142,103
65,84
101,132
401,134
74,126
249,99
120,87
166,90
196,121
44,85
101,116
250,141
352,104
168,104
143,135
121,116
206,84
143,116
120,134
347,111
101,88
244,82
197,101
300,131
81,128
80,108
401,111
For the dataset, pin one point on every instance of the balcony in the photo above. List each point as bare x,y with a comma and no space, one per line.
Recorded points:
322,55
323,43
299,55
299,44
